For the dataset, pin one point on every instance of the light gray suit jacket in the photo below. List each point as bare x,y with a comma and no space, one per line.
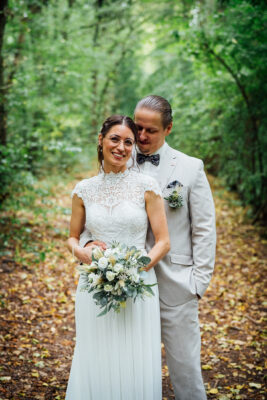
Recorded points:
187,269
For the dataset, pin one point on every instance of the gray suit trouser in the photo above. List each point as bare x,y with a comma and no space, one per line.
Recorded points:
181,337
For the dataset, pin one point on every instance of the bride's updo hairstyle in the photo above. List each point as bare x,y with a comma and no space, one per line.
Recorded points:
158,104
109,123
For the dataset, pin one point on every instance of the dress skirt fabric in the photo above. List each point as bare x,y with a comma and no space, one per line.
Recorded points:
117,356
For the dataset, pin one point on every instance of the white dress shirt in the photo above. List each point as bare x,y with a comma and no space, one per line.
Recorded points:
148,168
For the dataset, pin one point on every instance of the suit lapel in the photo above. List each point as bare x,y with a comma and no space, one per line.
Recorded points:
167,167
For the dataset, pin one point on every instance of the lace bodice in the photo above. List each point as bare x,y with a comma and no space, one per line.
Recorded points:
115,206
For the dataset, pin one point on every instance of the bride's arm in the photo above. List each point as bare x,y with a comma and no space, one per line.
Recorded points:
157,218
76,227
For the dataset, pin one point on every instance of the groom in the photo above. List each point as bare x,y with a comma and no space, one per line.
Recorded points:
183,274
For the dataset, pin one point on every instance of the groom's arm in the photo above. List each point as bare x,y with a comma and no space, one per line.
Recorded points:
203,230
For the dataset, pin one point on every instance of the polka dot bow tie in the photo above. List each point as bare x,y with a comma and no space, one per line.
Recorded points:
154,159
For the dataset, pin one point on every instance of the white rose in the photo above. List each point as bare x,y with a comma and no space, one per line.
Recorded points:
110,275
118,267
108,253
97,253
102,263
91,276
108,288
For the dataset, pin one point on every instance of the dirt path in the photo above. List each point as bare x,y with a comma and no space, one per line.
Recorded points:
37,305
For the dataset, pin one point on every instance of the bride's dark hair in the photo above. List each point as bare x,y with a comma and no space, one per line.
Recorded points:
109,123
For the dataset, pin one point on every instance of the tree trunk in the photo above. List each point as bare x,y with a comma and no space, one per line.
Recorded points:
256,146
3,112
94,110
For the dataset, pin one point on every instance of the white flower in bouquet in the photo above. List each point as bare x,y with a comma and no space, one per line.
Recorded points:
110,275
102,263
116,250
132,270
136,277
108,253
97,253
92,276
94,279
118,268
108,288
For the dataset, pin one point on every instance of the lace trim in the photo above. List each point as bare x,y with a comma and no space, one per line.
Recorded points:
151,187
111,189
113,176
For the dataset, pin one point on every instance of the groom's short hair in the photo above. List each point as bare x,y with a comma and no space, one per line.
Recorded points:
158,104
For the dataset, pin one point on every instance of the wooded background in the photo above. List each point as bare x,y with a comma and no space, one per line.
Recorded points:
65,65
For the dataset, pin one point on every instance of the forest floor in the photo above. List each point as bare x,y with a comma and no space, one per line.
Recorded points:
38,284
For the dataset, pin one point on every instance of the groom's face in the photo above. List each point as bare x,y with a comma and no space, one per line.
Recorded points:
151,133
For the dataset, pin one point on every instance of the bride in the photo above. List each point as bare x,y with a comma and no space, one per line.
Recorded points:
117,356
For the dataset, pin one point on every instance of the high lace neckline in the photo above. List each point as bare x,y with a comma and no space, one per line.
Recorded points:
113,176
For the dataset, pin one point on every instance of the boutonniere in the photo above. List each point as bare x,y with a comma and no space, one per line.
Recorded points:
175,200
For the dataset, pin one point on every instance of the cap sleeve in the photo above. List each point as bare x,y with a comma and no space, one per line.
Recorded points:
151,185
77,190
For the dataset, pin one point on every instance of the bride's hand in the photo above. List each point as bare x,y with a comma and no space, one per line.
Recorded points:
95,243
85,254
145,269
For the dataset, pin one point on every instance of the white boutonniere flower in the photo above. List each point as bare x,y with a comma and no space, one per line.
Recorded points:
175,199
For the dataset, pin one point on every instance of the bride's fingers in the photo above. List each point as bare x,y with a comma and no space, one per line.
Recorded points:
96,243
145,269
100,244
86,256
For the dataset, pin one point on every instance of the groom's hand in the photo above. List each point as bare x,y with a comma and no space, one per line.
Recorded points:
85,254
96,243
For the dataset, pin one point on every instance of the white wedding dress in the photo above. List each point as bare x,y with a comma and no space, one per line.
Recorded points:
117,356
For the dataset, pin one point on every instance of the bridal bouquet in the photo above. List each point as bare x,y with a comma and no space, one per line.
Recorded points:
114,275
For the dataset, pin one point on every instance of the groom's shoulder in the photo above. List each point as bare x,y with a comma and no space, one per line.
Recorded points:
141,177
145,181
186,160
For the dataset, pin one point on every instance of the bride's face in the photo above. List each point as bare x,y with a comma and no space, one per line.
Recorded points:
117,147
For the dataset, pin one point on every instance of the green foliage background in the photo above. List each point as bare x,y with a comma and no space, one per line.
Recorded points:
67,64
